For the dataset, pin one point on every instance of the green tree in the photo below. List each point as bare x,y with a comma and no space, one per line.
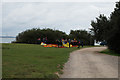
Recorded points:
108,29
31,36
100,28
114,33
82,35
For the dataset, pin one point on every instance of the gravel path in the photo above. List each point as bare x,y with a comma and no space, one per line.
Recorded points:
88,63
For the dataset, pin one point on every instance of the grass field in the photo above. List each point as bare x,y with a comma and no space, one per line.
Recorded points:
107,51
32,61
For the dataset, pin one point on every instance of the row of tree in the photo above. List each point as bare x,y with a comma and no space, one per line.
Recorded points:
108,29
31,36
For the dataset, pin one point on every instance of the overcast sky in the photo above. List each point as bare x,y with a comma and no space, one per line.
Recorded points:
64,16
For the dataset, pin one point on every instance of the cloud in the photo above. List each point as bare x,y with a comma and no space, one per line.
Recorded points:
59,0
63,15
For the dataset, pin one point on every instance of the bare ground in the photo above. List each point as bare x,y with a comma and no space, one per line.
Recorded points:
88,63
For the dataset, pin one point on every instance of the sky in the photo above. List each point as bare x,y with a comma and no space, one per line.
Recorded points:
63,16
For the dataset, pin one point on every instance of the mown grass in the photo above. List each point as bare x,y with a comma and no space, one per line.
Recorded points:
32,61
109,52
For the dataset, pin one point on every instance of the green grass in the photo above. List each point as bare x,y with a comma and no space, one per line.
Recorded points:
32,61
109,52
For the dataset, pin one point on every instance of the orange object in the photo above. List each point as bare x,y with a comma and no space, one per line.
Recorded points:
55,45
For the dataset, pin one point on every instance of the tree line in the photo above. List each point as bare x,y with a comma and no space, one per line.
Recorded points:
108,29
31,36
103,29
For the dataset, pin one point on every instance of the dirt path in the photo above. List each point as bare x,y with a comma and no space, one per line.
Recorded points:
88,63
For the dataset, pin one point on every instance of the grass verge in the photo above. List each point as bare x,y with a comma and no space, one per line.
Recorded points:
107,51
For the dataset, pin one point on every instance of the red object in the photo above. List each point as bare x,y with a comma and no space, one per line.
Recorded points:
38,39
75,46
46,38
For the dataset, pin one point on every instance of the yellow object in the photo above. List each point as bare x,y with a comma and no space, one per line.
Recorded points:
43,44
67,45
74,39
